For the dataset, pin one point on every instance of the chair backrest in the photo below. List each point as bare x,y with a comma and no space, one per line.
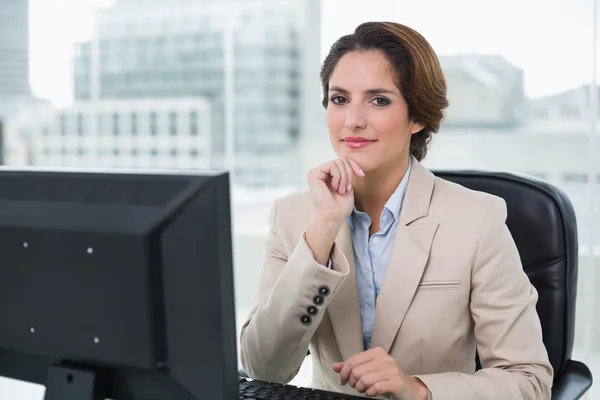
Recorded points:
542,222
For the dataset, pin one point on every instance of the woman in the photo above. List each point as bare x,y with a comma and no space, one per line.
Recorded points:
391,276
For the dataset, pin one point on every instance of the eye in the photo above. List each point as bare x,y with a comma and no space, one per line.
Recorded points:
380,101
339,100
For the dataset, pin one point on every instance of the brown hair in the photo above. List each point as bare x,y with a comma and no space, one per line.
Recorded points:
418,73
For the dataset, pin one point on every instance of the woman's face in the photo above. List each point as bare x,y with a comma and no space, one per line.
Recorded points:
367,116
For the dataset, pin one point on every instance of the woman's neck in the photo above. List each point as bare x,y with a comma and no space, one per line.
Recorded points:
374,190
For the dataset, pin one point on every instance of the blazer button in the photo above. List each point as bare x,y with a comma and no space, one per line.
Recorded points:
318,300
312,310
305,319
324,290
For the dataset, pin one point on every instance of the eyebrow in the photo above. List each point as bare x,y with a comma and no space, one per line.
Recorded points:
369,91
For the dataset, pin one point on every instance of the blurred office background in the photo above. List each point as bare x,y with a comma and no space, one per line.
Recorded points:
233,84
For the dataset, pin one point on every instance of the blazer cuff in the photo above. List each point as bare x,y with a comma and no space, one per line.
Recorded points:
438,384
429,395
315,272
331,255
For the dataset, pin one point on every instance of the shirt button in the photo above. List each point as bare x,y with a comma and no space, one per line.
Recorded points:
376,240
305,319
385,218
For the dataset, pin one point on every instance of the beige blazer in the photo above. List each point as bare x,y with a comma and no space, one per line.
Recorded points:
454,283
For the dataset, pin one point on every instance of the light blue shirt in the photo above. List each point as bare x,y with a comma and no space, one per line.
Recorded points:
372,255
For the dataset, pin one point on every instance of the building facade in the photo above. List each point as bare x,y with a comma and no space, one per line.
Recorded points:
163,133
14,60
246,57
14,50
484,92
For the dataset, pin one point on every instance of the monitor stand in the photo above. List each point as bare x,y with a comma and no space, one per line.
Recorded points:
70,382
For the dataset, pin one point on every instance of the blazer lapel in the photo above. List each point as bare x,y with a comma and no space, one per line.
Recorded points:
404,272
408,260
344,310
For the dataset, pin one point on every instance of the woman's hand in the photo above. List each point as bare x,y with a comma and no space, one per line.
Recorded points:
330,185
331,191
375,372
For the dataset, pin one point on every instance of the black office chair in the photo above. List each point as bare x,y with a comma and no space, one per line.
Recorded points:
542,222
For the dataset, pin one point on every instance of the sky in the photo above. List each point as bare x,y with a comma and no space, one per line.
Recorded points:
551,40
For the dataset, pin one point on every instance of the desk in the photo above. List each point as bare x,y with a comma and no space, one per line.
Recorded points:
11,389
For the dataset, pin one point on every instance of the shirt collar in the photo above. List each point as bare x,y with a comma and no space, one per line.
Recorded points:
394,203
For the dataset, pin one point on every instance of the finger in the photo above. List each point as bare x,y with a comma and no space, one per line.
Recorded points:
367,380
337,367
356,374
350,172
381,387
345,373
355,361
336,175
375,366
358,171
344,176
321,172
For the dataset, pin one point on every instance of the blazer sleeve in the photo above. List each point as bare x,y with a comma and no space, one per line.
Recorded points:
275,337
507,328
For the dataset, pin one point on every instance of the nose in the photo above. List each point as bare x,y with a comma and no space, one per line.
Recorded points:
355,118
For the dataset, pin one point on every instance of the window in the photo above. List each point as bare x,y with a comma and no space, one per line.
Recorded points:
63,125
134,123
153,123
576,178
115,124
193,123
80,124
173,123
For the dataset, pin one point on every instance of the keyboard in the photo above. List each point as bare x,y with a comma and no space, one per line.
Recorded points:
259,390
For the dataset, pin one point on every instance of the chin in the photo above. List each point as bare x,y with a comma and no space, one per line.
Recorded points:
364,159
367,166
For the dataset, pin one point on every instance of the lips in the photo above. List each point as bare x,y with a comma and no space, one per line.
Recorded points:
357,142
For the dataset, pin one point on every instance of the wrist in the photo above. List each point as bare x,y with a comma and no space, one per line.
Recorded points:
320,236
420,389
327,225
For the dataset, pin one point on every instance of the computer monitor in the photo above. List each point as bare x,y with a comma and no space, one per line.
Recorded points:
117,284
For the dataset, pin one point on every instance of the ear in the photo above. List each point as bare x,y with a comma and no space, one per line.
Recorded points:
416,127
